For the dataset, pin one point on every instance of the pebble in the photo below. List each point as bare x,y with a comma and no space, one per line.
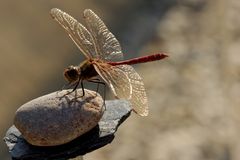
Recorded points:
56,118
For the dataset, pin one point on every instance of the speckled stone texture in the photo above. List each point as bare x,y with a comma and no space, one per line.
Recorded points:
57,118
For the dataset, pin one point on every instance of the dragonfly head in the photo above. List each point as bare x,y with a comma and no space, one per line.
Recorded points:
71,74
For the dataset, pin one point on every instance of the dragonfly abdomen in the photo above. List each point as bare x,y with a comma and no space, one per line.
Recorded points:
143,59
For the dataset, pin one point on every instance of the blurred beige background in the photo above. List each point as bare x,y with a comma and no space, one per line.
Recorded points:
193,95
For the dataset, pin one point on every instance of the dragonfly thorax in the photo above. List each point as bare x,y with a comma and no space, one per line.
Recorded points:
87,70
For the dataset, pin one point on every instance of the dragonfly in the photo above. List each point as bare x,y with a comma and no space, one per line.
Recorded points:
104,56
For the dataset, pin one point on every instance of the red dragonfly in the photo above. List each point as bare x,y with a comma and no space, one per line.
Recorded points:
101,48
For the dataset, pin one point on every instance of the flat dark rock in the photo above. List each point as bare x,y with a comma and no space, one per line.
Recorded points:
116,112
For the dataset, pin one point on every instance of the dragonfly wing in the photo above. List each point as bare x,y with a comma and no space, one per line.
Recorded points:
116,79
76,31
107,46
125,83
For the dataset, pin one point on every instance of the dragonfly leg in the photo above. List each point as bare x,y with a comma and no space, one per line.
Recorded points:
77,84
68,85
76,92
83,93
71,85
98,81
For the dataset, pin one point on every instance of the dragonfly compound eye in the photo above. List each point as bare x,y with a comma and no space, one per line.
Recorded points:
71,74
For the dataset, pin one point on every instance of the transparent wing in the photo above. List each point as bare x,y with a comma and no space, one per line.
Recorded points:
125,83
76,31
107,46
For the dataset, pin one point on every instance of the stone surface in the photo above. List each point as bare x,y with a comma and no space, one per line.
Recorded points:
57,118
116,112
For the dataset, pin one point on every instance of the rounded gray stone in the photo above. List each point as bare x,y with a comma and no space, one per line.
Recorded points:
57,118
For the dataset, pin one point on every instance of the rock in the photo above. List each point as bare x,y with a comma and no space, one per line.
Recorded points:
116,112
56,118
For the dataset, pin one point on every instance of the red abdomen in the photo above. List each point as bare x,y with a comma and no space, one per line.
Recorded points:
143,59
